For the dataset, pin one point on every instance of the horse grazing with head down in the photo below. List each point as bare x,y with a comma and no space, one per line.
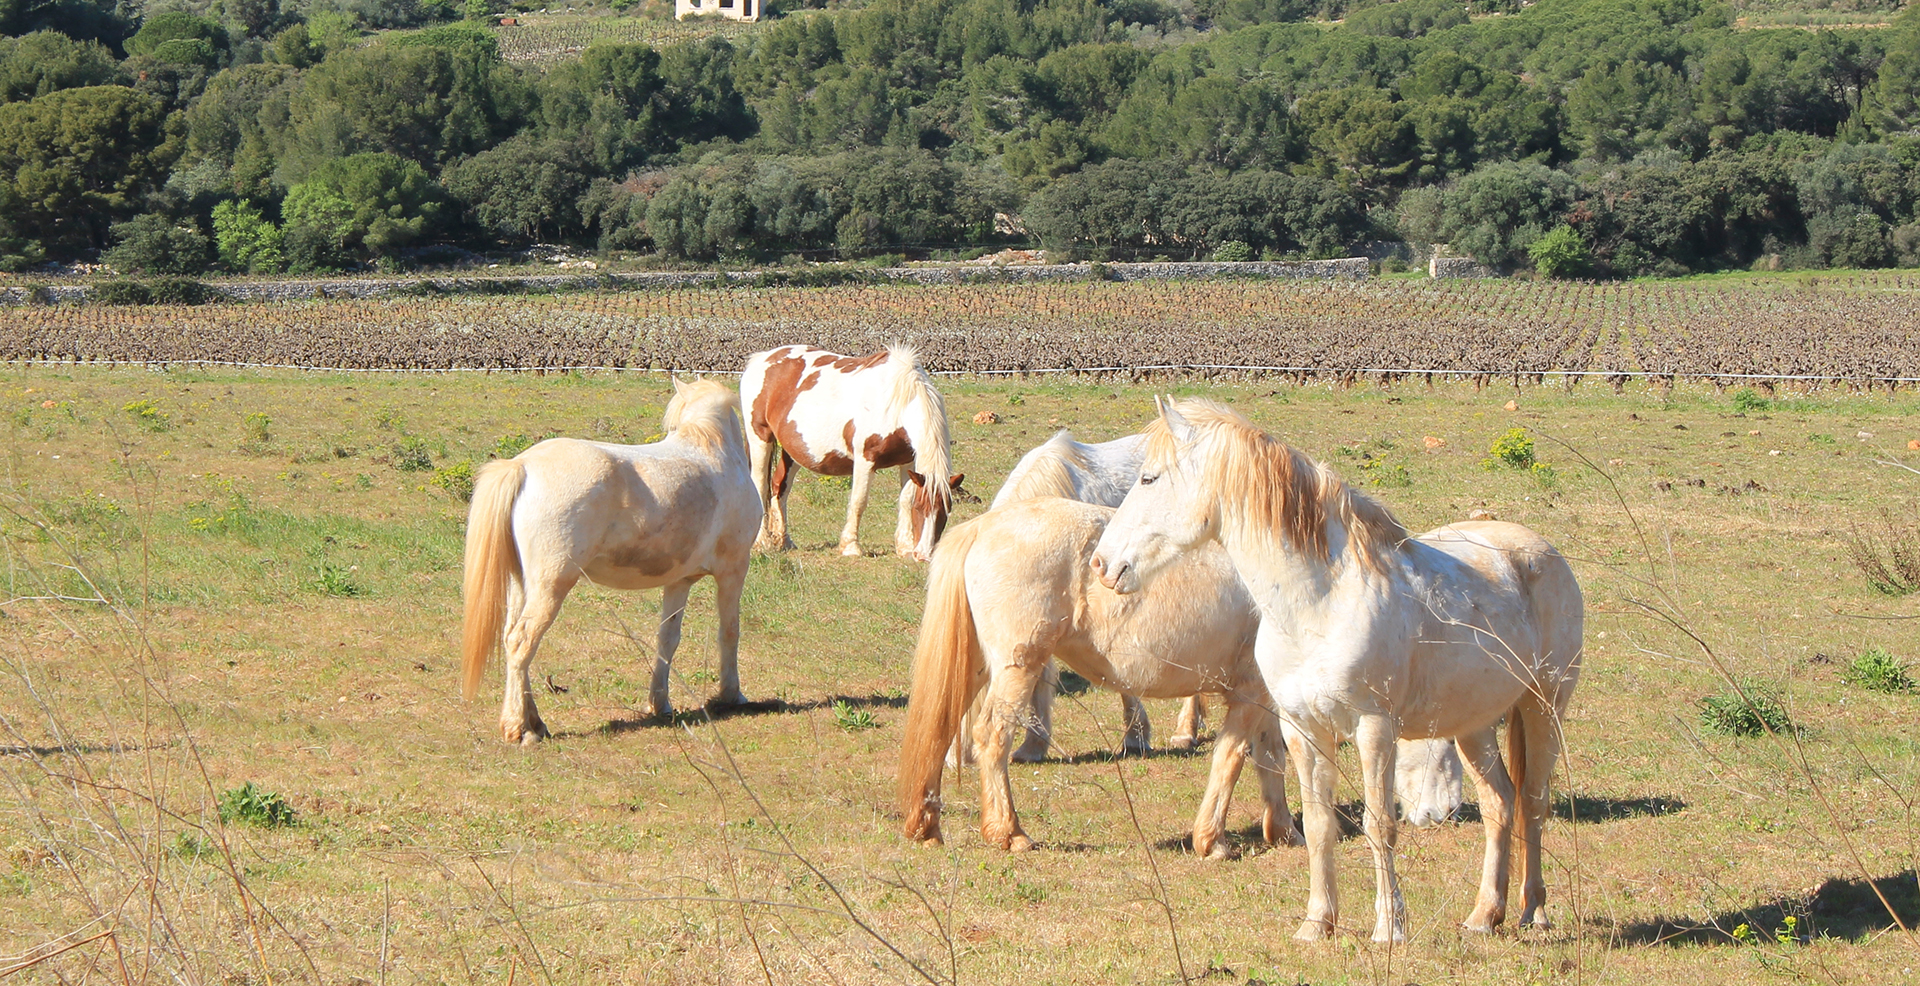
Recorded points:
623,516
1369,633
848,416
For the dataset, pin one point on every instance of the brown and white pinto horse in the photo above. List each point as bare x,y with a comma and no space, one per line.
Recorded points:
848,416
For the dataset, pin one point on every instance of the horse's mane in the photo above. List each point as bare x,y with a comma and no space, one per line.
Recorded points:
930,457
1258,480
1045,471
702,414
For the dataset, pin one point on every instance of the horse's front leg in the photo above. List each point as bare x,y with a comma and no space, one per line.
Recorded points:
1312,754
1004,711
1270,766
1229,755
905,538
856,505
537,602
728,588
1040,723
1137,740
673,606
1374,736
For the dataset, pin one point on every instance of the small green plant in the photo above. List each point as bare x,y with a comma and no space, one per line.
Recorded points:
1788,934
1820,439
258,428
456,479
411,455
1015,400
248,805
1543,474
508,446
336,580
852,719
1747,400
387,418
1732,715
1380,472
147,414
1877,670
1513,450
1032,893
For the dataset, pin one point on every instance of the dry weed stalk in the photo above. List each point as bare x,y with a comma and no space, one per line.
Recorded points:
1890,560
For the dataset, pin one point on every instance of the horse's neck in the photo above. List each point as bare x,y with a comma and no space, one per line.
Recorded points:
1291,586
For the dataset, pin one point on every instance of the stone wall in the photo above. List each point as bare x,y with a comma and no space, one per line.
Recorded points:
1460,268
1351,268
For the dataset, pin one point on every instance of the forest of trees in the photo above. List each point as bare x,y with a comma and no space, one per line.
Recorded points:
1575,137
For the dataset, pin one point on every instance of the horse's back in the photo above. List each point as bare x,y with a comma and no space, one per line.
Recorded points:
635,516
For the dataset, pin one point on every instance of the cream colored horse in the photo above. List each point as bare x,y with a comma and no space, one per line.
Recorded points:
1010,589
622,516
1369,633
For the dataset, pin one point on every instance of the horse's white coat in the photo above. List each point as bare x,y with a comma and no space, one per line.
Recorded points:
1379,636
623,516
846,416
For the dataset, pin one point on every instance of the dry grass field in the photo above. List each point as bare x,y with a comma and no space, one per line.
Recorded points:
223,578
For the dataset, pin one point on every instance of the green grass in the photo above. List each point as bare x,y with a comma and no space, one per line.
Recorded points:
626,849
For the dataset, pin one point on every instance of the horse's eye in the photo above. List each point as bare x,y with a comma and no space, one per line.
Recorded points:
1146,480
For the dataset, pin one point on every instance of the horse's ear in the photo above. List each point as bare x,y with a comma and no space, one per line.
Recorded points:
678,384
1177,424
918,480
954,481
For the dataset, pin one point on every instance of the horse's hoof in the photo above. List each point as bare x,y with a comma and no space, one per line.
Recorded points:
526,734
1032,753
1135,748
1019,843
662,708
851,550
1384,936
727,700
1181,742
1217,852
1312,930
1481,924
1538,921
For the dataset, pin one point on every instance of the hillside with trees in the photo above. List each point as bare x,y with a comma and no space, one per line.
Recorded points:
1575,137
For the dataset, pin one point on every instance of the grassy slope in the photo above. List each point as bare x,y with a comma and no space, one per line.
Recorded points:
609,853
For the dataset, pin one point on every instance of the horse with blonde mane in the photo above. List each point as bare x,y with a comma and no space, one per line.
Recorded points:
623,516
1369,633
849,416
1011,589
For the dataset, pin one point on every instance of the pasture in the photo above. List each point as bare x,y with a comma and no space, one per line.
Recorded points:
218,578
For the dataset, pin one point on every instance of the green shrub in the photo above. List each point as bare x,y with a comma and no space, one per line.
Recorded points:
257,427
1732,715
508,446
1877,670
156,244
336,580
1561,253
851,719
147,414
456,479
1513,450
412,455
121,293
245,240
249,805
1233,252
1747,400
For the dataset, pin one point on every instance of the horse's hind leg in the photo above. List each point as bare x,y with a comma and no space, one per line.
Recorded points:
1480,754
728,587
1004,710
1533,739
673,606
774,524
537,604
762,452
1193,716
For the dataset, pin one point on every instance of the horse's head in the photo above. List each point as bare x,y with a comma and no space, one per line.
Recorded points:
926,506
701,411
1164,513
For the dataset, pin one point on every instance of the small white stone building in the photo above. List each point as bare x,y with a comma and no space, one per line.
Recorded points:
739,10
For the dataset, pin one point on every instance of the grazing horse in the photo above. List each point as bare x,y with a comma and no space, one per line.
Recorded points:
624,516
1010,589
844,415
1369,633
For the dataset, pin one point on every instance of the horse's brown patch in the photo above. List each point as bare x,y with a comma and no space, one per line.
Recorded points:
778,388
894,449
847,364
833,462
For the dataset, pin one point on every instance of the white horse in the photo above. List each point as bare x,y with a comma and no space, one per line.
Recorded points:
1011,589
1366,632
1428,778
624,516
848,416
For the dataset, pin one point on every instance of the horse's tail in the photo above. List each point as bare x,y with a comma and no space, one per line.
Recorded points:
946,667
491,561
928,429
